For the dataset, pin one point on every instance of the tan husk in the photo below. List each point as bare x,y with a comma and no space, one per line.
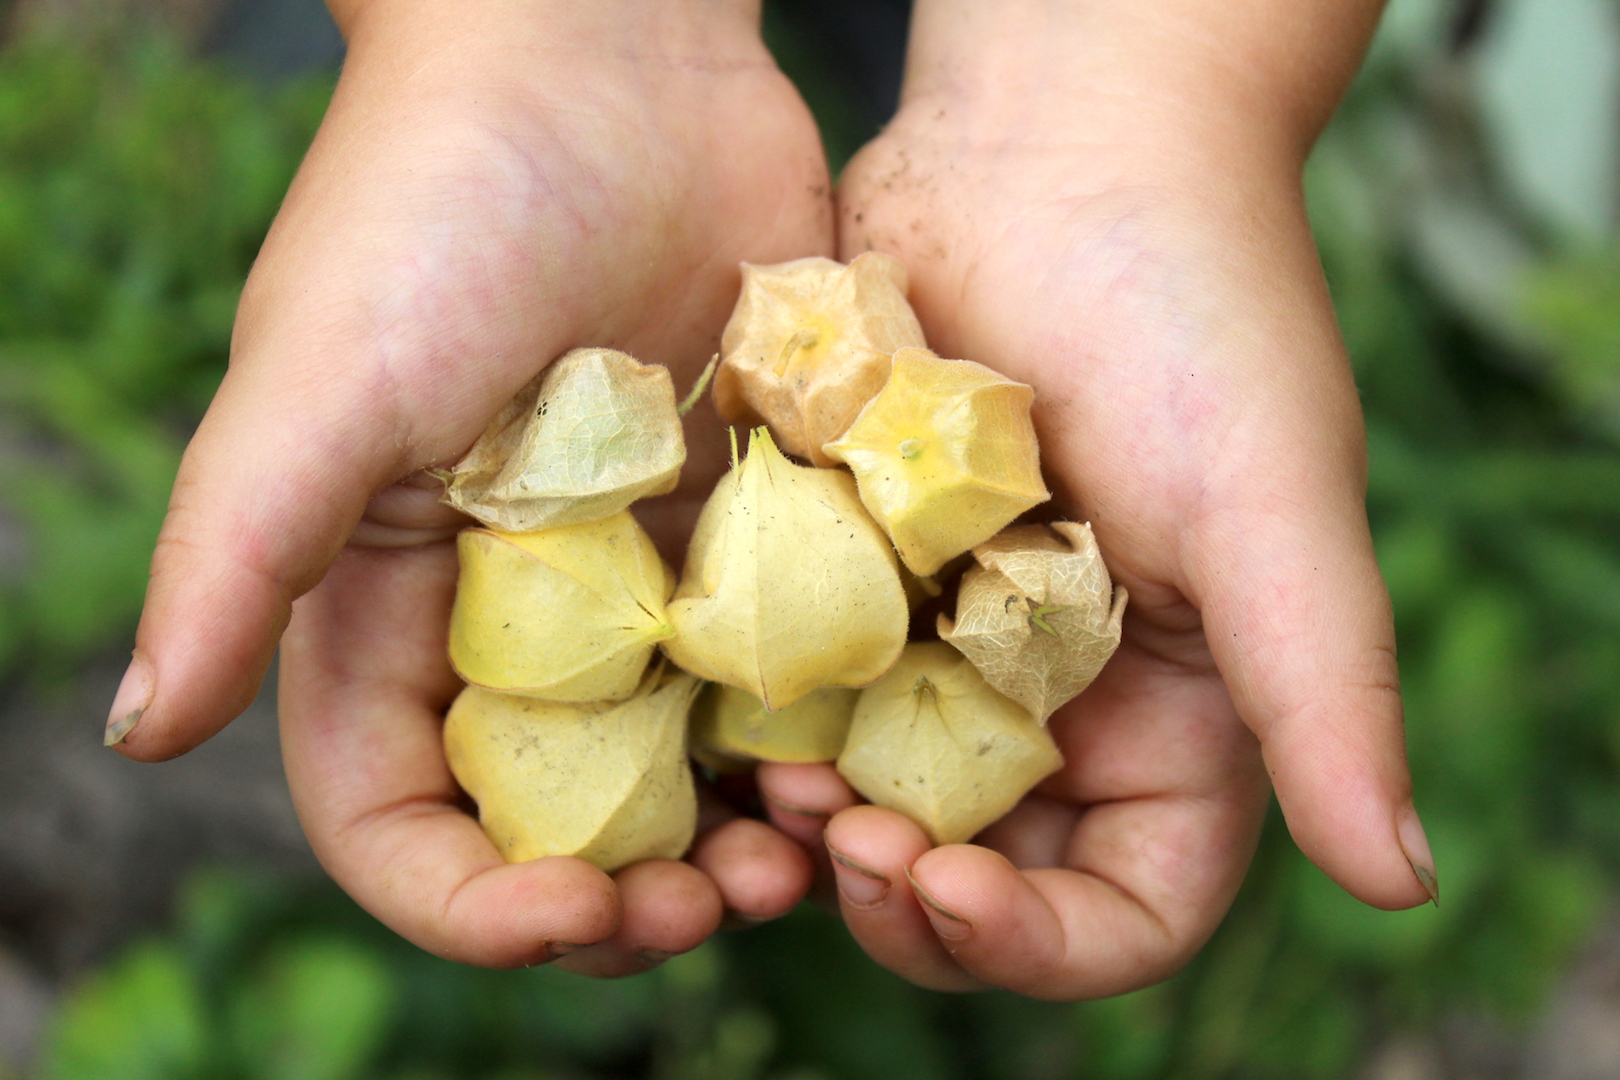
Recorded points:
788,584
591,434
1038,616
945,456
932,740
736,724
606,782
570,614
809,344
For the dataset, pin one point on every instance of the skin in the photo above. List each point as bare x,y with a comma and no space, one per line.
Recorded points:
1105,201
491,187
1102,200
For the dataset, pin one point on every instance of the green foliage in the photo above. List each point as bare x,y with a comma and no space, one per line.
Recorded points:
134,191
132,196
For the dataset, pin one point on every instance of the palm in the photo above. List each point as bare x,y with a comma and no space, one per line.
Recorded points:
1210,461
447,236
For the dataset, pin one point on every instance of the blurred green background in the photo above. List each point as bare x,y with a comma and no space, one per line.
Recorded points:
1466,201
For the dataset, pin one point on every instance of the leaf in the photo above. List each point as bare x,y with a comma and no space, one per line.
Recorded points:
319,1008
1549,91
141,1019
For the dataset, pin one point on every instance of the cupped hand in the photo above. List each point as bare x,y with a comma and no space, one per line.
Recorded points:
493,185
1144,261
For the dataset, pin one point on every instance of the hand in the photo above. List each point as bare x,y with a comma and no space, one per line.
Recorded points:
1106,213
493,185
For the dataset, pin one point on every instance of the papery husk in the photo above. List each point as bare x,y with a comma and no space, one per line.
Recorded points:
809,344
1038,615
570,614
945,456
591,434
788,584
934,741
607,782
736,724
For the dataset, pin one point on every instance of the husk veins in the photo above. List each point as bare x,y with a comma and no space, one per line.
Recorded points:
569,614
1038,616
933,741
591,434
788,585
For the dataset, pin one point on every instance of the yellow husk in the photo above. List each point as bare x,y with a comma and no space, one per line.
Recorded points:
736,724
1038,616
933,741
569,614
593,433
945,456
788,585
606,782
809,344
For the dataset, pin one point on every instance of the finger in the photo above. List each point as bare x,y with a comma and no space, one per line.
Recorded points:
800,799
760,873
1033,834
1125,861
871,850
364,682
1124,917
1299,621
366,347
669,908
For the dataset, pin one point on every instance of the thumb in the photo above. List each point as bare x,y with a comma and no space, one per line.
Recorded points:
270,489
1300,624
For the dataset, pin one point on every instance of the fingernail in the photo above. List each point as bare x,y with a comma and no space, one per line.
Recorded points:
789,808
1416,846
654,957
861,887
556,950
134,695
947,923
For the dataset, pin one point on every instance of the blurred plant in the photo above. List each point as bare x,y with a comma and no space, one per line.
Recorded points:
135,188
1479,291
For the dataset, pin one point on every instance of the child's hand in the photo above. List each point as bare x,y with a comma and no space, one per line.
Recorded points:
1098,215
494,184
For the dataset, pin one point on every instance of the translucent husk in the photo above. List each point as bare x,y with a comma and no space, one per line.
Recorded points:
945,456
606,782
932,740
594,432
809,344
1038,616
788,585
570,614
736,724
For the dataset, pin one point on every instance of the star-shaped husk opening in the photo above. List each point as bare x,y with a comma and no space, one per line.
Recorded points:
945,456
1038,616
809,344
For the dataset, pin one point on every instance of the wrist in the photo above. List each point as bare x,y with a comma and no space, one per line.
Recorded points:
1258,77
487,33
